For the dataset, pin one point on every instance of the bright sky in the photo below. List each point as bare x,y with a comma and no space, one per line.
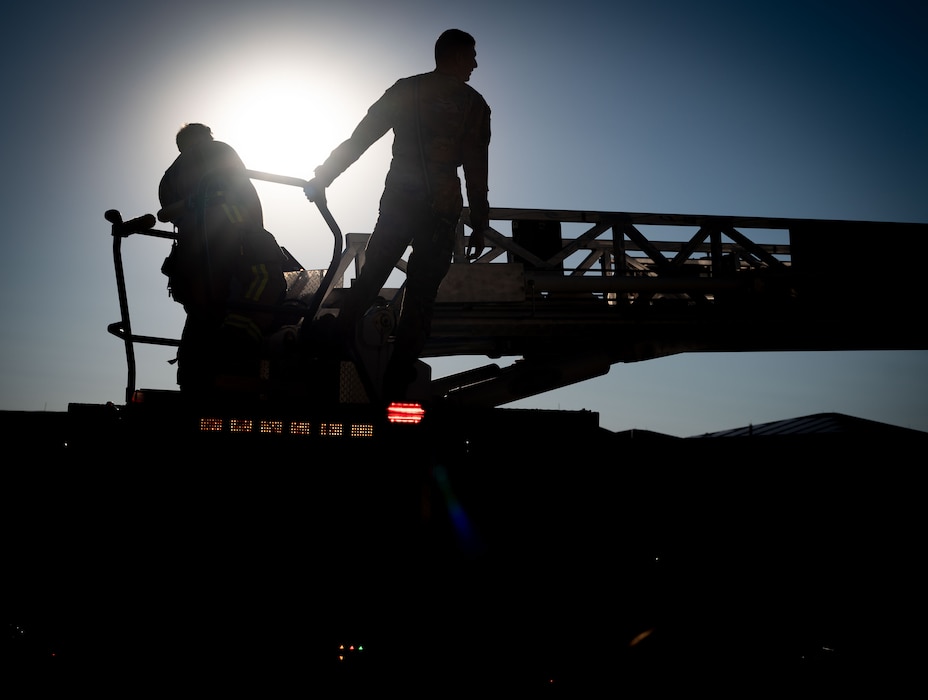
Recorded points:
786,108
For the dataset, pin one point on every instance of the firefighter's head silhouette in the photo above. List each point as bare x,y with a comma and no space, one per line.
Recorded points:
192,134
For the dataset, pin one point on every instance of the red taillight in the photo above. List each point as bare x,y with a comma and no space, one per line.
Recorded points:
405,412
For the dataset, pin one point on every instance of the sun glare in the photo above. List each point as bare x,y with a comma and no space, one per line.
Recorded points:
287,124
283,107
284,127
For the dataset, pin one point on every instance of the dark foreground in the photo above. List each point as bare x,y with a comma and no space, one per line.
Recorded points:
531,565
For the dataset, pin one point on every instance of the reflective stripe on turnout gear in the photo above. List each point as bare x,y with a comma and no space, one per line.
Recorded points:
232,211
244,324
259,280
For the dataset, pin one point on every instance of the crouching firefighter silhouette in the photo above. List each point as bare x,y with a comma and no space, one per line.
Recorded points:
223,266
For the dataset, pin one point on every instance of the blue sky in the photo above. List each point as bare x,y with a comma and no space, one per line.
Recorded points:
804,109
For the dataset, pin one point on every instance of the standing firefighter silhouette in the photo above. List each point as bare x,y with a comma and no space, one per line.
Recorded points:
439,124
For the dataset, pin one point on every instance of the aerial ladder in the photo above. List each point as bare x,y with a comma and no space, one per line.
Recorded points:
626,287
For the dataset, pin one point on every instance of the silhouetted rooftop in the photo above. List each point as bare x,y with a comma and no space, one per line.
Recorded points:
817,424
